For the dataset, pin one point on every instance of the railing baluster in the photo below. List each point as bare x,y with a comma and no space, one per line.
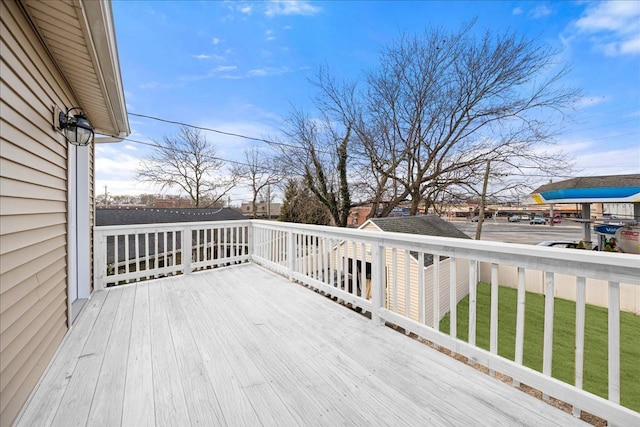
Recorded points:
394,257
493,326
116,254
436,292
549,300
126,253
421,289
407,284
614,342
363,271
137,251
354,268
332,244
377,282
453,298
473,292
156,256
581,297
520,310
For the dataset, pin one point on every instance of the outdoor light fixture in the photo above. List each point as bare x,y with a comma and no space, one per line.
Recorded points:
76,127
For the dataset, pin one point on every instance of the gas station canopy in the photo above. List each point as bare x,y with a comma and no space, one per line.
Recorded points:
591,189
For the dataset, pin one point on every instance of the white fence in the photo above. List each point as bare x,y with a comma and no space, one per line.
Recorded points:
366,277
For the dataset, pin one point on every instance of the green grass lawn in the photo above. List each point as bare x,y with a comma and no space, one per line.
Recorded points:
595,347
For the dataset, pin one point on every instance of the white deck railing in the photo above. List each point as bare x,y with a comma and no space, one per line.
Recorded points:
385,274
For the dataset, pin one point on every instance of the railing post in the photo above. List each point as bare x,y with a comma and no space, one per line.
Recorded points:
291,253
186,250
250,241
99,259
377,282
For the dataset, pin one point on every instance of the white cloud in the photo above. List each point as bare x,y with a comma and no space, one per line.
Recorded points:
613,27
223,68
631,46
291,7
269,35
609,162
540,11
216,41
246,9
202,56
517,11
268,71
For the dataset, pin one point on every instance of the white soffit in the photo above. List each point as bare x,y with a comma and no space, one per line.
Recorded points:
80,38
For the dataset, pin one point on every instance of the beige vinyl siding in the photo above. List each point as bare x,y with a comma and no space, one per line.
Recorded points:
33,211
407,281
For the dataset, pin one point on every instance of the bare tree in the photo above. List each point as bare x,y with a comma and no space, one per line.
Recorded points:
318,149
443,104
188,162
258,171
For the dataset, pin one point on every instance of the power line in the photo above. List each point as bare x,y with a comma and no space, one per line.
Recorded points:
221,132
151,144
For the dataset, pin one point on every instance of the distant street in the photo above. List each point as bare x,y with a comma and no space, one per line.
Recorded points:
521,232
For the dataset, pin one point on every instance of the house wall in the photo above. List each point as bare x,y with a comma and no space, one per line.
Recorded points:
33,214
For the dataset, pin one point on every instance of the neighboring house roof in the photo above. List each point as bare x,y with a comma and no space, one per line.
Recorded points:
80,37
591,189
163,216
427,225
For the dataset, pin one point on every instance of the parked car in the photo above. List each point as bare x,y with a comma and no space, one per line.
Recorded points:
524,217
556,219
559,244
475,219
537,220
514,218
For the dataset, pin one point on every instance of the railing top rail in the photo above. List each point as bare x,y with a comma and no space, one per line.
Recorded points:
619,267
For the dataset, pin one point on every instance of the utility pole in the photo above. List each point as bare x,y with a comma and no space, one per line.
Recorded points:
268,201
106,197
482,201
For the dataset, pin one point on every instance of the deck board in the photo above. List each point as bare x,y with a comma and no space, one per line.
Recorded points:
242,346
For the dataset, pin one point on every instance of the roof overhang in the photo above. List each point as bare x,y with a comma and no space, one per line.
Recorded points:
79,36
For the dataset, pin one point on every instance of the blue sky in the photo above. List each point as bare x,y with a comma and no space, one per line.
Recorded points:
240,66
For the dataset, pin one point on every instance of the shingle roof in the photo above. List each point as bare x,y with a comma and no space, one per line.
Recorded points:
161,216
607,181
428,225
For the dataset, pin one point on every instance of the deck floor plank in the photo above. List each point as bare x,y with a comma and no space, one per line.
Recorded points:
256,385
401,364
76,403
170,404
45,401
367,399
139,381
243,346
108,398
202,402
234,403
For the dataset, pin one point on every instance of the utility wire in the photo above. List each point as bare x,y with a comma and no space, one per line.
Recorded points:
151,144
221,132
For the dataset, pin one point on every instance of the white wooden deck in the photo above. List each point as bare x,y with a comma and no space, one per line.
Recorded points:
241,346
